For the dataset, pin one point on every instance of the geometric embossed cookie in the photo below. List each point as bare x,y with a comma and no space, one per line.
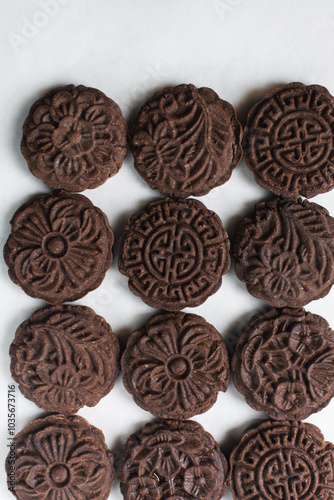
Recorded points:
284,252
74,138
175,365
60,247
61,457
186,141
65,357
173,459
284,363
289,140
282,461
174,253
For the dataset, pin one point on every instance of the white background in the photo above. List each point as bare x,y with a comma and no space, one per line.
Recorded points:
128,49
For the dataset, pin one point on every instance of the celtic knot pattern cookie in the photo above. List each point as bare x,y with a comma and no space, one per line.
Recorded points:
289,140
172,459
60,247
175,253
175,366
61,457
282,460
74,138
284,363
284,252
65,357
186,141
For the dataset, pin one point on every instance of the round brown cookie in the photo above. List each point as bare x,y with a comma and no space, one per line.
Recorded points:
284,252
289,140
283,363
65,357
60,457
175,366
172,459
175,253
60,247
282,460
186,141
74,138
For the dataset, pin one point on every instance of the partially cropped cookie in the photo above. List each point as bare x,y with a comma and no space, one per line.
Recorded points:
284,252
282,460
74,138
60,457
186,141
283,363
289,140
60,247
175,366
174,253
65,357
172,459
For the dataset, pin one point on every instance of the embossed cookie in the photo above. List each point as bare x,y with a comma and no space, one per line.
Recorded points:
175,365
283,363
60,247
282,460
65,357
74,138
174,253
172,459
289,140
60,457
186,141
284,252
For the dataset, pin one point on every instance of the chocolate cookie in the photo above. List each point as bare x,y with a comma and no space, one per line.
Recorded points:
74,138
60,247
65,357
289,140
186,141
284,252
175,253
60,457
284,363
175,365
282,460
172,459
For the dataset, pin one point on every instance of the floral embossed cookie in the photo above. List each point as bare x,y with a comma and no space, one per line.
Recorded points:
186,141
60,247
65,357
74,138
175,366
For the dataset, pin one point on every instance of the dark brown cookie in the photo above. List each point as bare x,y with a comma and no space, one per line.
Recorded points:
175,366
282,461
172,459
289,140
284,252
186,141
65,357
283,363
60,457
74,138
175,253
60,247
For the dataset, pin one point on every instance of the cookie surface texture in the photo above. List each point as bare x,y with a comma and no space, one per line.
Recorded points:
289,141
60,247
74,138
284,252
186,141
65,357
172,459
174,253
175,365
